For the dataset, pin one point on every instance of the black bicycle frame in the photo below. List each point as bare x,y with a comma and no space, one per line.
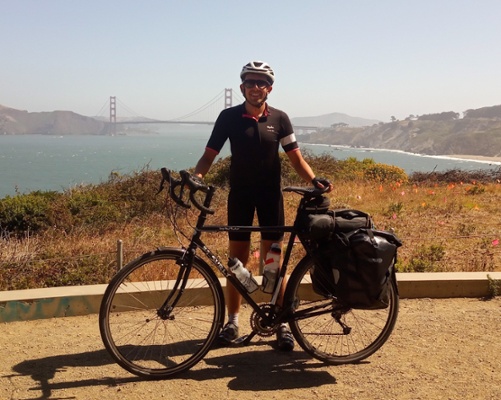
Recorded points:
196,242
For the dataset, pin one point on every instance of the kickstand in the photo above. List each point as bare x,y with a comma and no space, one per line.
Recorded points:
245,340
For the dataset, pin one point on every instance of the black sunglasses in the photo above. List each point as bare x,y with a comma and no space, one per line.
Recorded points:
250,83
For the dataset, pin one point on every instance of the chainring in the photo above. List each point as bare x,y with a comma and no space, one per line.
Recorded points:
256,321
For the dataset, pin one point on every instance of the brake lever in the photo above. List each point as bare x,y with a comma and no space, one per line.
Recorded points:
200,206
195,184
175,197
173,184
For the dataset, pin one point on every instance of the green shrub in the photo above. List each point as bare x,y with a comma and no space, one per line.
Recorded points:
351,169
27,212
424,259
494,287
135,194
92,208
465,229
475,190
394,209
324,165
219,173
118,200
457,176
382,173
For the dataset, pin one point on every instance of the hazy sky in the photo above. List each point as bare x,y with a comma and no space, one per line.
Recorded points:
164,59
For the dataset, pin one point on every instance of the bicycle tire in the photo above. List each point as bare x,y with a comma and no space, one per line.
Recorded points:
317,331
141,341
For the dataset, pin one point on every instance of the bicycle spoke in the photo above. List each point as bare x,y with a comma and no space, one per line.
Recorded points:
336,335
151,343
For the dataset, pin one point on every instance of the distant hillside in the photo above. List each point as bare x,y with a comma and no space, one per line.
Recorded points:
327,120
445,133
477,133
19,122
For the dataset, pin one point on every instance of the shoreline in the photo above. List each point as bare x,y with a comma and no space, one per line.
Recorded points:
465,157
477,158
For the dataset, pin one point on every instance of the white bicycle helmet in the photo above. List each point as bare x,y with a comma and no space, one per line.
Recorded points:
258,67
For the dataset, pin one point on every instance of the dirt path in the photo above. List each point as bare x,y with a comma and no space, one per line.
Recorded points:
441,349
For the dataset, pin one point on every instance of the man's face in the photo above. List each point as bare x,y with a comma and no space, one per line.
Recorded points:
255,89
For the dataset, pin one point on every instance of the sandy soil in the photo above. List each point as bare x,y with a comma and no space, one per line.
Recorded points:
440,349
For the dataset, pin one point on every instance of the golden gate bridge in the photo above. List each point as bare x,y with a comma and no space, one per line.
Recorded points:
204,115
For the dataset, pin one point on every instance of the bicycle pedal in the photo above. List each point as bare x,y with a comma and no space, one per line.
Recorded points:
244,340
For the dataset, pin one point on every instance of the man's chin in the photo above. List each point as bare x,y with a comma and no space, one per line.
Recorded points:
256,102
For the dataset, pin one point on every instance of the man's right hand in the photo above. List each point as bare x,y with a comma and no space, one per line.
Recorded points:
322,183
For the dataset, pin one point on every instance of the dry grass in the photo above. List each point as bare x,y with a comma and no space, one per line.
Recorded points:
444,226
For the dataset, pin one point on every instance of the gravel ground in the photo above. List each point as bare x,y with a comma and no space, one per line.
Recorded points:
440,349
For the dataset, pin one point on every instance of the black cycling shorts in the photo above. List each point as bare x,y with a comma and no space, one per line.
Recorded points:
244,202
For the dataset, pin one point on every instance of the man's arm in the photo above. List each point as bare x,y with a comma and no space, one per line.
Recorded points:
205,162
300,165
302,168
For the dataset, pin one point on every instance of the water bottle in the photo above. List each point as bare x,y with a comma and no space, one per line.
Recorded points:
243,274
271,267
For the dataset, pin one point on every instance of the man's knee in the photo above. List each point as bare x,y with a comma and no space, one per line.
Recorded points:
240,249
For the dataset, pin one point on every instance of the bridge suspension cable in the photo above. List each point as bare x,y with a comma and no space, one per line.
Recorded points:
236,96
224,99
210,103
103,109
129,110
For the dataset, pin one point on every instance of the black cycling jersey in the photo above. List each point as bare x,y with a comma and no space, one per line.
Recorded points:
254,144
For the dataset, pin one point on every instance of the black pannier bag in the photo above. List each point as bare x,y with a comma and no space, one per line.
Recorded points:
356,267
347,220
315,206
322,226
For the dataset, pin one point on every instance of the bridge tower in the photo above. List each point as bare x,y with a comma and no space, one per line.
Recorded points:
113,115
228,98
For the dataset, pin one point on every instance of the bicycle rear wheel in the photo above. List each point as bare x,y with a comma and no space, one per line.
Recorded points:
147,335
333,333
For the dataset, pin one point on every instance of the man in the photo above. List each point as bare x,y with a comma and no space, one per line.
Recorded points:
255,131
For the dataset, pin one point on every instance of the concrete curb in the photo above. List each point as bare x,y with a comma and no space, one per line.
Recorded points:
25,305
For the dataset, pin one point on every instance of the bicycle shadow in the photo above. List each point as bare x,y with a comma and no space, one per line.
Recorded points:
43,370
267,370
272,369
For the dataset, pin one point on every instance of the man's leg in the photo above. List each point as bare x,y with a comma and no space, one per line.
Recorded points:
285,340
240,212
240,250
265,248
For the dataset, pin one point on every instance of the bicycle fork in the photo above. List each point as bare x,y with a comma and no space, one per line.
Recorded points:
185,264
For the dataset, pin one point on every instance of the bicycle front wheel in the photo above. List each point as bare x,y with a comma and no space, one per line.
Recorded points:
154,328
333,333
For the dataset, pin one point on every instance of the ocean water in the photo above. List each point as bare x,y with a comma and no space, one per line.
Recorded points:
409,162
36,162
